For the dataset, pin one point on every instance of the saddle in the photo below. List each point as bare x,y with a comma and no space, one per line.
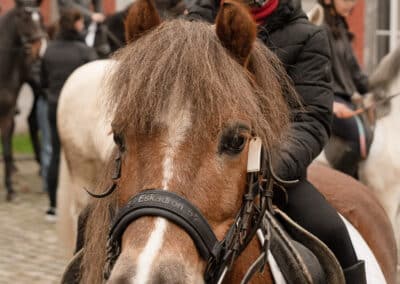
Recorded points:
300,256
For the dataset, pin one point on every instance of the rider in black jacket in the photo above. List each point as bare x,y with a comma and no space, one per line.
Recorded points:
304,51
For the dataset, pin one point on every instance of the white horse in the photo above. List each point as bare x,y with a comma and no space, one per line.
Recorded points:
381,170
86,145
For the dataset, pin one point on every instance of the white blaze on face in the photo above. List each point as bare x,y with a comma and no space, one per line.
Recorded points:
35,16
178,122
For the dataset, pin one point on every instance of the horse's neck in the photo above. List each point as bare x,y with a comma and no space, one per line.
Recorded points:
393,89
11,54
391,120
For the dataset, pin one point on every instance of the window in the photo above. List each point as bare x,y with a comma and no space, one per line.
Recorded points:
388,27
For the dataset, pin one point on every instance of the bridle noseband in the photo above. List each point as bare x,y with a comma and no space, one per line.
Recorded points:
219,255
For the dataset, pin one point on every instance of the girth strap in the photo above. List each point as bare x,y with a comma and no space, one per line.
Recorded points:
162,203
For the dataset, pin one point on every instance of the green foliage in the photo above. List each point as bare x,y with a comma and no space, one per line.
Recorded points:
21,144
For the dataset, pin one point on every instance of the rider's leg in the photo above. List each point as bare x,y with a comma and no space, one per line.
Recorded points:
307,206
347,130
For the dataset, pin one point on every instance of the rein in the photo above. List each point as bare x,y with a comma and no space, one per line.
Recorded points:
219,255
373,105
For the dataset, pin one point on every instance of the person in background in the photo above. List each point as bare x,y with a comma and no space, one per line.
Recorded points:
63,55
39,128
303,48
348,80
95,33
85,8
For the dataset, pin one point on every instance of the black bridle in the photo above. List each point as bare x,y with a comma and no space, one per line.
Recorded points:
219,255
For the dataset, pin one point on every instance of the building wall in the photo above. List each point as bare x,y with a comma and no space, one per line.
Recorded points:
370,38
6,5
357,26
121,4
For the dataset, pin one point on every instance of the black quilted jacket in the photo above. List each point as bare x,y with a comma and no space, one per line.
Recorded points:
304,50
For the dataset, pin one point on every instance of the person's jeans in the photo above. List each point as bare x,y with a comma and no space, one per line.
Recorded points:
44,127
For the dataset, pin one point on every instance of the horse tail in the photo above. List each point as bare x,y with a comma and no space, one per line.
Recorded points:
67,221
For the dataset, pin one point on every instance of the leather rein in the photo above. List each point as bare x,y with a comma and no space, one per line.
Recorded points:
373,105
219,255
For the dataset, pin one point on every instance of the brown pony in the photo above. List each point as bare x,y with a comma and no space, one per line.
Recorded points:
186,98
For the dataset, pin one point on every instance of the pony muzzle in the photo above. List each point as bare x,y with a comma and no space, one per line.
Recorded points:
150,259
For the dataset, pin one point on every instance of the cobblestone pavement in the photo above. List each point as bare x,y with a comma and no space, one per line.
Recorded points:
29,250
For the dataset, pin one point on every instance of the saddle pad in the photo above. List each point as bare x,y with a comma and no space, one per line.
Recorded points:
372,268
363,252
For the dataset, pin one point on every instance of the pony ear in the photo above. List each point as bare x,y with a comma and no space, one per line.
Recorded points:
236,29
142,17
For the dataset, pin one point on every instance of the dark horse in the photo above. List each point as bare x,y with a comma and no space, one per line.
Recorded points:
20,39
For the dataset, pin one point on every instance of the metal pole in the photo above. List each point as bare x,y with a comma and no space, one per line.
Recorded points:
394,20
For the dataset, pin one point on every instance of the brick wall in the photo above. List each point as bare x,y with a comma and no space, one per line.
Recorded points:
357,26
6,5
109,7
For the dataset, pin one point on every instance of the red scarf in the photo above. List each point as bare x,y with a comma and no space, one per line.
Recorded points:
259,14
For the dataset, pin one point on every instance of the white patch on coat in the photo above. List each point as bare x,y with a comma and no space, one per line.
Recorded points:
178,122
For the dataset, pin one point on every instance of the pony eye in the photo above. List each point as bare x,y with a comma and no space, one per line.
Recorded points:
232,144
119,141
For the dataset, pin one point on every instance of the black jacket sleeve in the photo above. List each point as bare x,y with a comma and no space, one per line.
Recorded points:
310,130
205,10
359,78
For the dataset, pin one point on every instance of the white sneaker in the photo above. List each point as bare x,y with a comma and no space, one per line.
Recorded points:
51,215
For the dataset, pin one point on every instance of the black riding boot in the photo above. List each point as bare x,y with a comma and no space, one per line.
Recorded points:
355,274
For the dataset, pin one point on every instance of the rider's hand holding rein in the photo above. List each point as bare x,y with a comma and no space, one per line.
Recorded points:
98,17
342,111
